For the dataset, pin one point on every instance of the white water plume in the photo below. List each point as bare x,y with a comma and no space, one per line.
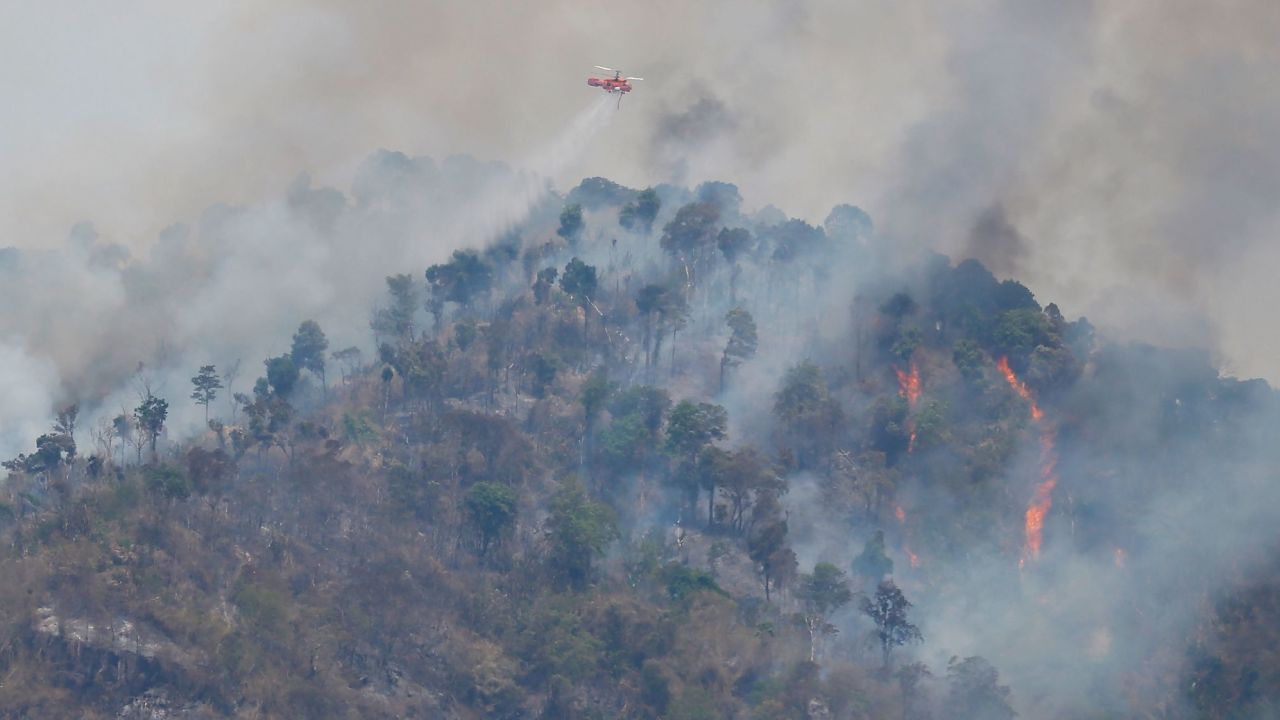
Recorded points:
509,199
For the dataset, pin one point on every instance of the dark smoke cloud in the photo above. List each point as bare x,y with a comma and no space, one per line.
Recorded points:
996,242
681,134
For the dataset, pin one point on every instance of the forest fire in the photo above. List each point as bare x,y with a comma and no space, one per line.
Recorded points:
909,388
901,514
909,384
1042,498
1019,387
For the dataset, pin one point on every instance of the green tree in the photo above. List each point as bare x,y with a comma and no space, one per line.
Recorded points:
627,445
742,341
733,244
873,563
889,432
969,360
725,196
639,214
122,428
282,375
309,346
396,321
690,428
570,223
793,239
767,548
150,416
623,446
649,403
542,285
349,359
905,344
64,423
52,450
975,690
821,593
690,236
543,367
594,394
655,300
811,420
579,280
206,385
491,510
578,530
743,476
1019,332
167,483
461,280
888,610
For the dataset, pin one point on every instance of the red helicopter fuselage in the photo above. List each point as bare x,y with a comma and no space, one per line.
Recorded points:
610,85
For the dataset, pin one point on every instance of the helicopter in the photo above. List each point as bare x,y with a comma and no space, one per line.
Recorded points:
615,84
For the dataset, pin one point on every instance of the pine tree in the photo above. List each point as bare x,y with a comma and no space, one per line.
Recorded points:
206,386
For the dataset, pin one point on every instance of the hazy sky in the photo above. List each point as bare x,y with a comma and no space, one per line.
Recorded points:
1131,147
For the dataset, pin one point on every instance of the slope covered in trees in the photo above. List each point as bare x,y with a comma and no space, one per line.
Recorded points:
651,456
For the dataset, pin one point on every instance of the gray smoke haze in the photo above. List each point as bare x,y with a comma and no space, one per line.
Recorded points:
1134,144
88,322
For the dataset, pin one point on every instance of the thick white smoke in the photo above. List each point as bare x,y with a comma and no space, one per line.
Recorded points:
235,283
24,384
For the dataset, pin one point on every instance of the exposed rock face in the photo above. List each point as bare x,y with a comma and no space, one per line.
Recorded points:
136,660
118,636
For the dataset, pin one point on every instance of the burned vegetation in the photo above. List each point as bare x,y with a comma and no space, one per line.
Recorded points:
648,455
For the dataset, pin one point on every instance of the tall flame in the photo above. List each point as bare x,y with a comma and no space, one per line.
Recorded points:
1042,498
1019,387
909,388
909,384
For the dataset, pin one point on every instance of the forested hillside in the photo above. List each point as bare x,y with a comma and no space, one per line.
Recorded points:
648,454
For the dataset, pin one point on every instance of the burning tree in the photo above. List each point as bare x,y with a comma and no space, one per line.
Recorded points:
1042,499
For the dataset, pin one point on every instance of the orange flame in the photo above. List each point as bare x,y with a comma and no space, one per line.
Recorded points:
901,514
1019,387
909,388
1042,498
909,384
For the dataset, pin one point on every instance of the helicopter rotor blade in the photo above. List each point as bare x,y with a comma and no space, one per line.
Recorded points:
631,78
601,67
